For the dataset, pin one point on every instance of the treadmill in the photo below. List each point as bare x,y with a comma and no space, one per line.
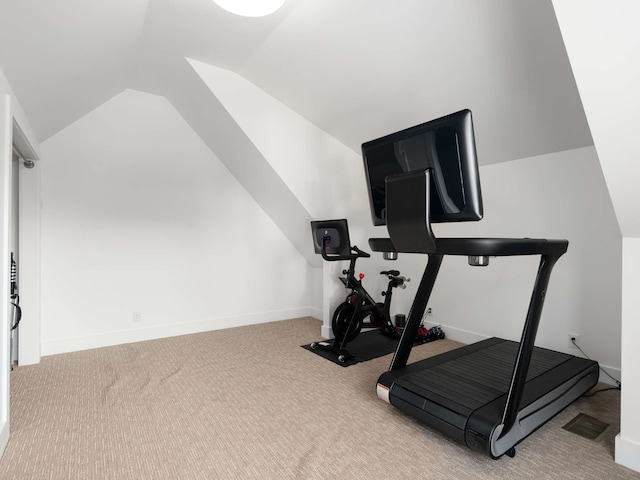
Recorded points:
492,394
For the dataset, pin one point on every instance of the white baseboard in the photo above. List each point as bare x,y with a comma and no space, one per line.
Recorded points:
458,334
74,344
614,372
316,313
627,453
466,336
326,332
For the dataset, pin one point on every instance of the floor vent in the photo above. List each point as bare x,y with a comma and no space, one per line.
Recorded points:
586,426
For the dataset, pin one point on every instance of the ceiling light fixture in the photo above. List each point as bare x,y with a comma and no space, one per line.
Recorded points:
250,8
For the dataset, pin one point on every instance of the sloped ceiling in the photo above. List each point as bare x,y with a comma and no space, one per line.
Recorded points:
358,69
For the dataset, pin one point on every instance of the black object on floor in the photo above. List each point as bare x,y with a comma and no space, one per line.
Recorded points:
366,346
586,426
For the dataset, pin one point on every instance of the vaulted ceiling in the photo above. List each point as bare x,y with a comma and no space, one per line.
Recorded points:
358,69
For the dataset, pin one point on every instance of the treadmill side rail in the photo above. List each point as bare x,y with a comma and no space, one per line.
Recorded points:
541,411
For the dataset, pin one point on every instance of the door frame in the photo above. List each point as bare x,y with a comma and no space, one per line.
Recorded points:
6,154
12,135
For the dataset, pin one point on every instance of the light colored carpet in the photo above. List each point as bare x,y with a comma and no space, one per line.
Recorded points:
249,403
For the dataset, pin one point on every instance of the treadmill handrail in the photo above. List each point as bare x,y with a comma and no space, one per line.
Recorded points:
525,349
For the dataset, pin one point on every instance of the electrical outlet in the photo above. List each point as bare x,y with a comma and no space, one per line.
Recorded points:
574,337
137,317
429,312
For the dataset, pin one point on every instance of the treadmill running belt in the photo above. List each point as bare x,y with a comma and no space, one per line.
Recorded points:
479,377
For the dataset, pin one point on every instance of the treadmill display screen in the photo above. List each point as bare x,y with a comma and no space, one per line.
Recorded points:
446,147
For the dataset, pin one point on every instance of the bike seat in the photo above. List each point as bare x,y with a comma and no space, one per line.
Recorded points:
393,273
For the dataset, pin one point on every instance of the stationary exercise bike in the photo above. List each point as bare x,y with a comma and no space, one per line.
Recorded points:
359,310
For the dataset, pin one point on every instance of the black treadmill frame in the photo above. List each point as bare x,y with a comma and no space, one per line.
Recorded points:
407,205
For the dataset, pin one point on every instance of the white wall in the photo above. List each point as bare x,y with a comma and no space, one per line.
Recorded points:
139,216
317,168
601,39
175,79
628,441
325,176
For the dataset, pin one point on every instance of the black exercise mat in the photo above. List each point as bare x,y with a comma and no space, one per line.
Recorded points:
366,346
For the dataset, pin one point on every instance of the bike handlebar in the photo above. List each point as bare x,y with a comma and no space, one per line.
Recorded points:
333,258
360,253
